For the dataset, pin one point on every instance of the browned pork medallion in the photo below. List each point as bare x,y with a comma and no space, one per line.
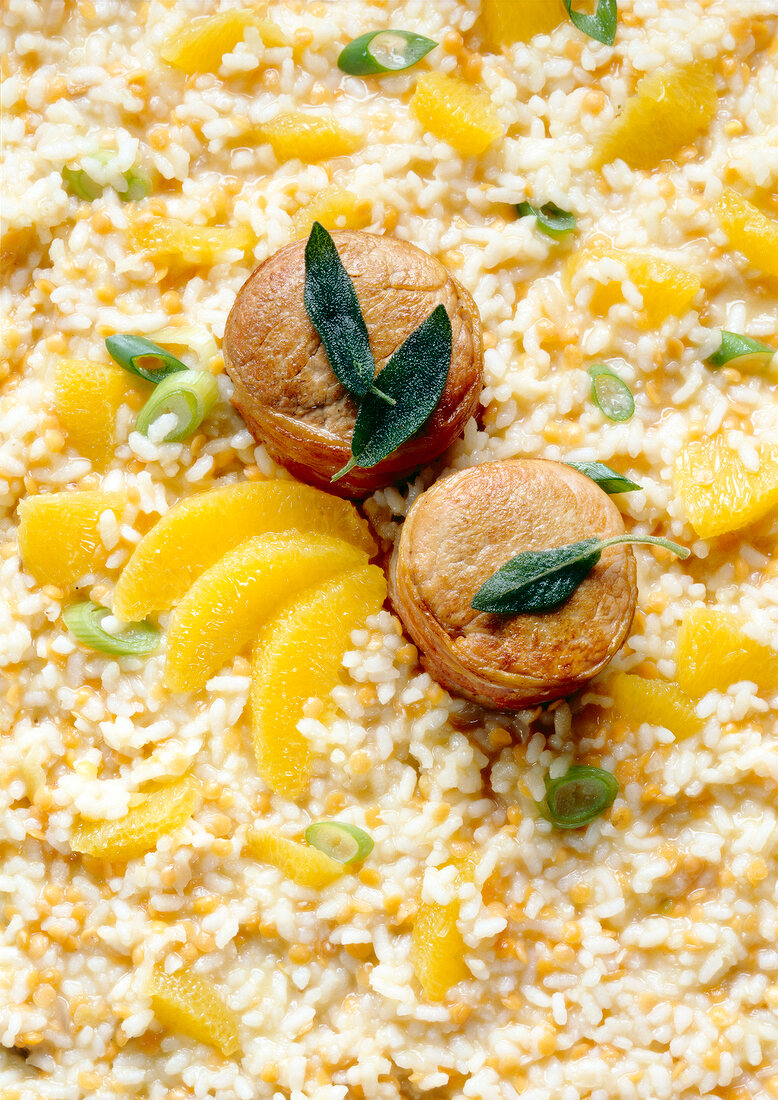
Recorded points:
285,388
460,532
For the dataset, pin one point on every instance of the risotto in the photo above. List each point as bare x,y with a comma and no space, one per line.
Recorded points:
379,901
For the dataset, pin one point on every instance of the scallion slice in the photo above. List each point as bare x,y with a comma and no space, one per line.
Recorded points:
610,394
579,796
190,394
610,481
83,186
550,218
84,621
742,352
142,357
388,51
339,840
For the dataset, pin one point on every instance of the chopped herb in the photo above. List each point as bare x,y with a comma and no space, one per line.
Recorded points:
610,394
609,480
741,352
332,305
541,580
579,796
388,51
601,25
550,218
85,623
190,395
137,181
339,840
142,357
415,378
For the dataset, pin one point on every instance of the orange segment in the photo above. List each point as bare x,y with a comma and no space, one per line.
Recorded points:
456,112
198,47
718,492
666,289
749,230
437,946
88,397
199,530
188,1003
160,814
713,652
335,208
669,109
657,702
228,605
174,240
299,656
59,534
301,863
509,21
308,137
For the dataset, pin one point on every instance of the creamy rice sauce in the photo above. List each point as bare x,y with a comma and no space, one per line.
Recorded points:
635,958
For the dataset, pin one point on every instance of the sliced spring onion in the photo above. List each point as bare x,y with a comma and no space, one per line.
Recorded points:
550,218
83,186
388,51
339,840
610,394
579,796
140,356
84,621
189,394
610,481
742,352
196,338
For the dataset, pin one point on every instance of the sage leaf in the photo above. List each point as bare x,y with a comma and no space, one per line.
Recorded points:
600,26
541,580
331,303
414,378
549,218
610,481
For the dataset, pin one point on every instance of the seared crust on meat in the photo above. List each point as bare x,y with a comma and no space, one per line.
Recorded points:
285,388
460,531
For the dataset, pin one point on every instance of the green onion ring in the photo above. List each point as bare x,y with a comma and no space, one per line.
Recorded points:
142,357
84,621
388,51
550,218
741,352
611,395
578,797
339,840
190,394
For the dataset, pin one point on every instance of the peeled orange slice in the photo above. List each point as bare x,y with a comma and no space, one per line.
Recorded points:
308,137
198,46
713,652
719,492
161,813
669,109
191,1004
301,863
88,397
509,21
667,290
749,230
657,702
201,529
299,656
228,605
437,947
456,112
59,534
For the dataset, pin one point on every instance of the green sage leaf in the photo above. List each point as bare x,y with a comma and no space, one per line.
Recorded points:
601,25
609,480
541,580
331,303
414,378
550,218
